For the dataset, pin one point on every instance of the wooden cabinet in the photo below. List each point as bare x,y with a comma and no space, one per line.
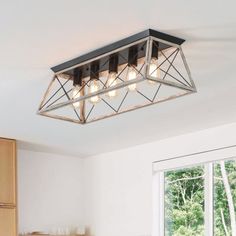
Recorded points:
7,172
8,187
7,222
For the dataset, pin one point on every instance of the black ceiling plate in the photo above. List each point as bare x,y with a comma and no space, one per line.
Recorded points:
116,45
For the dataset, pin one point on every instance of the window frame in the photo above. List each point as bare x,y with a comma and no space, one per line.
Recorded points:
207,159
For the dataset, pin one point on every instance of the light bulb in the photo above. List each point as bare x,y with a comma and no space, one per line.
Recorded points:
76,93
154,70
94,87
112,81
132,74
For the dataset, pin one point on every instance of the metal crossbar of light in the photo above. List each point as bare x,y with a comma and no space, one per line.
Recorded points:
141,70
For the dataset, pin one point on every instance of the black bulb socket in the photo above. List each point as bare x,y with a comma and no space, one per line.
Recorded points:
133,56
77,79
155,50
113,63
94,70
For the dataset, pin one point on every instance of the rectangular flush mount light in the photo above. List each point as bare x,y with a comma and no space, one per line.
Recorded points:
138,71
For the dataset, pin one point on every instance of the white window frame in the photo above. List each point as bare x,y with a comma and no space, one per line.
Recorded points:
206,158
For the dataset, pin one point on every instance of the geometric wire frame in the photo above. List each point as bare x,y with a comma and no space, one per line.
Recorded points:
174,81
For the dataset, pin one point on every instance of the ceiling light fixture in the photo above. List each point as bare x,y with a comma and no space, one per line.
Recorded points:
141,70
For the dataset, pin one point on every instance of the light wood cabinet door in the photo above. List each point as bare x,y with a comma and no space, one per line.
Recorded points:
7,222
7,172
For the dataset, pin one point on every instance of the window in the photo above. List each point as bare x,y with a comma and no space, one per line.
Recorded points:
225,198
184,201
197,200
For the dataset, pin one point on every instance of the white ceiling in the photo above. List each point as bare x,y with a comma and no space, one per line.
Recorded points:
36,35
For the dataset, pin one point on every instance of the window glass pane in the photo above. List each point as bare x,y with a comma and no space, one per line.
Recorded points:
184,202
225,198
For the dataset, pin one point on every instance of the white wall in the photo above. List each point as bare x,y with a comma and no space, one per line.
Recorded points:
111,193
118,185
50,191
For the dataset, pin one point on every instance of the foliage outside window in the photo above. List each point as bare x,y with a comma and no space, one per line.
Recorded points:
225,198
184,200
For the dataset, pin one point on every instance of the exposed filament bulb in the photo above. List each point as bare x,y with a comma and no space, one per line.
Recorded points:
132,74
94,87
76,93
154,70
112,81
